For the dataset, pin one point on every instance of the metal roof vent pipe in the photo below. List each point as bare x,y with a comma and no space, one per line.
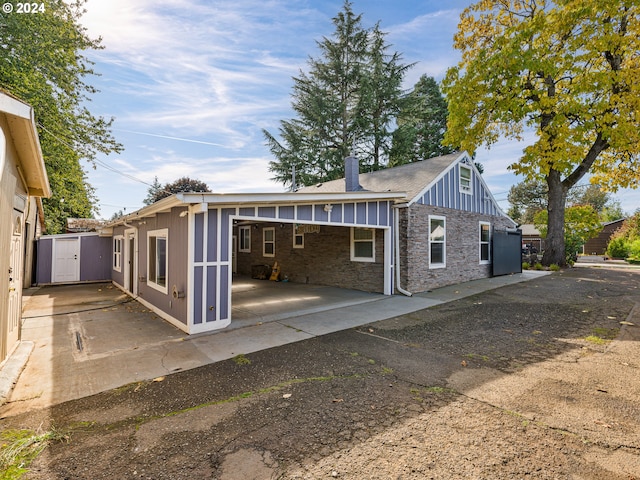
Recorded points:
351,174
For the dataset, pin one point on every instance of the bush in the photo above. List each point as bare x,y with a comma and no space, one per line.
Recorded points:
634,252
526,266
554,267
538,266
618,248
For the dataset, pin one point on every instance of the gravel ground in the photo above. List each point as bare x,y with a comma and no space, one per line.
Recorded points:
534,380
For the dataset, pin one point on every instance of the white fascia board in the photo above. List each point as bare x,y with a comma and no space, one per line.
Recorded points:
286,198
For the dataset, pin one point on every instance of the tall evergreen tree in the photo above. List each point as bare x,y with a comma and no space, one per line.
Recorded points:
344,104
42,62
422,123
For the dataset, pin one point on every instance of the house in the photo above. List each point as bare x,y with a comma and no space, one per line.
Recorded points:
401,230
83,225
598,245
23,180
532,239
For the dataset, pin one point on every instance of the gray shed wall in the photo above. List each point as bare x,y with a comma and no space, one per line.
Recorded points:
44,259
95,258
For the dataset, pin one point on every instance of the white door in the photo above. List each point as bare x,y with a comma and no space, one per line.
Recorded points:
15,292
66,260
130,262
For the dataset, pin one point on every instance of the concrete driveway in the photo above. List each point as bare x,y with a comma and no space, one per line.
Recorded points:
85,339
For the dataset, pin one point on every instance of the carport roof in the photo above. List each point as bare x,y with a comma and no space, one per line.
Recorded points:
204,199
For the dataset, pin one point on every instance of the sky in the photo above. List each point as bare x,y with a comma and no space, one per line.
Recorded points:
192,84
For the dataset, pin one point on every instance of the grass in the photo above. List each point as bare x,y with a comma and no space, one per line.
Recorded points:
241,360
602,336
18,448
475,356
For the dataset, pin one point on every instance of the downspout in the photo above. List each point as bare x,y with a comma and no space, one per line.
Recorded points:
397,249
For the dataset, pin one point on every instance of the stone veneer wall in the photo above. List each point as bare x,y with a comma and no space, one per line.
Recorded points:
462,247
324,260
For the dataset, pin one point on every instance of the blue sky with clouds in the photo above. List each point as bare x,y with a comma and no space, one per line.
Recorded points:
191,85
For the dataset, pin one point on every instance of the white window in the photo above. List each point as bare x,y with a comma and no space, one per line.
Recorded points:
269,242
363,245
437,242
117,253
245,239
157,256
298,237
485,238
465,180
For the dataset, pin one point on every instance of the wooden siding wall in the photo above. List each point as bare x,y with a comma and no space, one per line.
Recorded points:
177,261
446,194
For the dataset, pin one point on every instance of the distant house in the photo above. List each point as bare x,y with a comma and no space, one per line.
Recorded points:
531,238
83,225
598,245
401,230
23,180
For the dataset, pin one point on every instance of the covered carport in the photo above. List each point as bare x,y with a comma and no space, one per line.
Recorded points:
215,223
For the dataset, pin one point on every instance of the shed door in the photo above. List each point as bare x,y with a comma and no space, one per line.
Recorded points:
66,265
15,292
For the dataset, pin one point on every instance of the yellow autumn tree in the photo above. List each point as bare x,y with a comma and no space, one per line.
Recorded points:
568,70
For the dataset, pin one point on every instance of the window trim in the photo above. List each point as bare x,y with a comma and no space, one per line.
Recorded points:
464,189
353,242
297,235
247,247
265,242
161,233
487,242
116,259
433,265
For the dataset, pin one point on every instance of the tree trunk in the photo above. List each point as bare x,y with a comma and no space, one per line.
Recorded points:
554,245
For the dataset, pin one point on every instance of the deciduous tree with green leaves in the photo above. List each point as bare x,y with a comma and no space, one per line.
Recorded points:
43,62
582,223
566,70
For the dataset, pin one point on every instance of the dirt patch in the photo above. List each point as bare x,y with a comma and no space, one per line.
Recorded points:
507,384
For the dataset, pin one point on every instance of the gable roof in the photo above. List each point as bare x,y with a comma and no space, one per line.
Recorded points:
412,178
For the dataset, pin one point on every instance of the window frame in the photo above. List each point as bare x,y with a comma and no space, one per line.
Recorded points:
486,242
466,189
297,235
153,281
265,242
242,247
116,259
354,257
443,264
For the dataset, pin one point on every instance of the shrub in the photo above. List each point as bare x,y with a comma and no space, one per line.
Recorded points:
618,247
634,252
554,267
525,265
538,266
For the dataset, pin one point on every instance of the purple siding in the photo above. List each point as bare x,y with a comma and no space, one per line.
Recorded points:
44,259
95,258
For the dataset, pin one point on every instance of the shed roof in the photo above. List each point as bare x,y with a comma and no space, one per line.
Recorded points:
411,178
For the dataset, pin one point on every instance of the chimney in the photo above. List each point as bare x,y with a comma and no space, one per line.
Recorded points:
351,174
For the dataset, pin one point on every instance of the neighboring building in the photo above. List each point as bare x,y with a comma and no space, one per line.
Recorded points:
23,179
410,228
73,258
532,241
598,245
83,225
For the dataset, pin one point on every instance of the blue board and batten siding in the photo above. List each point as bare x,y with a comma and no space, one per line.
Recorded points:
446,193
211,234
